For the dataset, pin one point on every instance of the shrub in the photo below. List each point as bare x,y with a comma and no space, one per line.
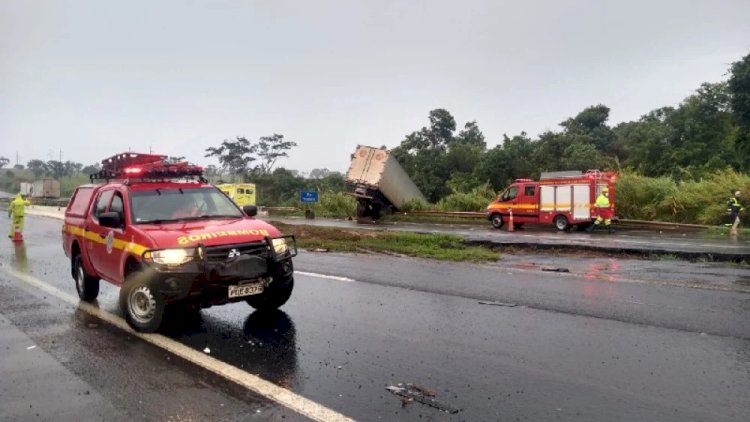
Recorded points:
337,205
475,200
704,201
416,205
644,198
700,201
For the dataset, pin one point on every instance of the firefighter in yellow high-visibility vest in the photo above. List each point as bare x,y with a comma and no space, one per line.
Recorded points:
603,212
733,209
16,211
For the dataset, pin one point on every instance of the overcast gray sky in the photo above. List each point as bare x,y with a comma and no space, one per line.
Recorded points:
95,78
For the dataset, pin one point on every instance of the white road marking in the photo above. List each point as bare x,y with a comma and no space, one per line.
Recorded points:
289,399
330,277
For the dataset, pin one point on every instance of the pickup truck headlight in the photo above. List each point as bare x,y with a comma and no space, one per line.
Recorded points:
171,257
279,246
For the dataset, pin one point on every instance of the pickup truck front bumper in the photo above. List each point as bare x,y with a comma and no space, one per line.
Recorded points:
205,280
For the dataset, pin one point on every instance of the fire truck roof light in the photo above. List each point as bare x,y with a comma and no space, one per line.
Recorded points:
146,167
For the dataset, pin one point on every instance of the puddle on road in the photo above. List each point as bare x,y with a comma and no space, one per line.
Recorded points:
599,269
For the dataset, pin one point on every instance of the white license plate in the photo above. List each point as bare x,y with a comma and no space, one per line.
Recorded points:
246,290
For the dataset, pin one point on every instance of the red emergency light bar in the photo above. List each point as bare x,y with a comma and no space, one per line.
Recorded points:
132,165
127,159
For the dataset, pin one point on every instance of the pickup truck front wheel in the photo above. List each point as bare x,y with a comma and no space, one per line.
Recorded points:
275,295
87,286
142,306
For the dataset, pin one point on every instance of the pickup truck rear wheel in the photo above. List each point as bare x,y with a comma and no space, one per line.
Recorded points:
275,295
142,305
87,286
497,221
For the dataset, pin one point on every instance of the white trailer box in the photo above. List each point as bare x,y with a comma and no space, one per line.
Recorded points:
26,188
379,181
46,188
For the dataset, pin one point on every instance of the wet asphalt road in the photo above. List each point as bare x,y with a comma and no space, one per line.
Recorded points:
674,241
609,340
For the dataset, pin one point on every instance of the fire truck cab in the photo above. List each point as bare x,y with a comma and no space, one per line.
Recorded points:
171,240
565,199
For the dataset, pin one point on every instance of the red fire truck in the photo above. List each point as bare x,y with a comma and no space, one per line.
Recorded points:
171,240
565,199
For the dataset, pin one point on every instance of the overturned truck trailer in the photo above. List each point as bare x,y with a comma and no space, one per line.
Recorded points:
379,183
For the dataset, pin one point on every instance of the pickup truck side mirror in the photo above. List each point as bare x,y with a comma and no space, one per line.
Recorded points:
250,210
110,219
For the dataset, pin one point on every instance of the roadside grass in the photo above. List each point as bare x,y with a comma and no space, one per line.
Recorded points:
286,213
441,247
400,218
469,221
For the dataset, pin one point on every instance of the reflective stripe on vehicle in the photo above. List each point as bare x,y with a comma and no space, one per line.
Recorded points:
118,244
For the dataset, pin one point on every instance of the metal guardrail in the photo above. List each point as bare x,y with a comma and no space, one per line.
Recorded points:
621,221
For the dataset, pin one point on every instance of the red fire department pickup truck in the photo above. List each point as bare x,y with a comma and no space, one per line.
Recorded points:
170,239
565,199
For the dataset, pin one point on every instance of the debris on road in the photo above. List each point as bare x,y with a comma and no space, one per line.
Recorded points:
207,350
31,347
508,304
411,392
320,250
556,270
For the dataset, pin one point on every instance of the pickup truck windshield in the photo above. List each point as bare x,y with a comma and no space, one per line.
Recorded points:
181,204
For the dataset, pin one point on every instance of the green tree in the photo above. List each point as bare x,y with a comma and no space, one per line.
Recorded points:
510,160
91,169
739,87
644,144
279,188
212,172
470,135
319,173
56,169
549,151
235,156
580,155
71,167
331,183
703,131
270,149
437,136
37,167
426,154
4,162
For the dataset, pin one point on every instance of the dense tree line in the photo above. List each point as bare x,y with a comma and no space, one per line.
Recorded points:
707,132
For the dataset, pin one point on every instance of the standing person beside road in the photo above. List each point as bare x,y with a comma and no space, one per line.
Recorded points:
733,208
16,211
603,211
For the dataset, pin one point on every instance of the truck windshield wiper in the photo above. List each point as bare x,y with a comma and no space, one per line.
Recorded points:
210,216
156,221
